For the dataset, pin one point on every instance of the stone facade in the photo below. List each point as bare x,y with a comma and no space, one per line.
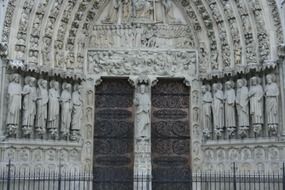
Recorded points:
230,54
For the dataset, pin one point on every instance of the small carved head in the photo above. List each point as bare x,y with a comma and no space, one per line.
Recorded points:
45,84
205,88
229,85
270,78
217,86
77,87
32,81
240,83
67,86
15,78
255,81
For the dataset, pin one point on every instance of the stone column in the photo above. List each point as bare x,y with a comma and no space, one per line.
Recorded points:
281,55
142,147
3,60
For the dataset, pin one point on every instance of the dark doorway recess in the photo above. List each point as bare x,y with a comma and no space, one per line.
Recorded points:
170,136
113,135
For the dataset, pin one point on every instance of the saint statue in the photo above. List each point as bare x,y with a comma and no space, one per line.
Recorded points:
271,95
207,110
113,13
242,107
66,109
168,11
142,102
29,105
230,99
218,108
53,109
143,9
256,104
77,112
14,104
42,106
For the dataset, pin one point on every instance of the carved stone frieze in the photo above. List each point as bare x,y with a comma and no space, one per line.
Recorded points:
42,156
143,61
141,36
254,156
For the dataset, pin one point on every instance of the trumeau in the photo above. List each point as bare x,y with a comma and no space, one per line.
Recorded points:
226,51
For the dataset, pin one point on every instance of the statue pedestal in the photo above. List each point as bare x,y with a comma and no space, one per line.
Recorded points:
142,164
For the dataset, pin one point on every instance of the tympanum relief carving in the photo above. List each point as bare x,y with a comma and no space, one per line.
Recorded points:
134,62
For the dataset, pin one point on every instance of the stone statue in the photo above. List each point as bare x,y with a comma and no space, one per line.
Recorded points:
126,10
142,9
168,11
66,109
53,109
42,106
218,108
14,104
242,107
230,114
77,112
142,102
256,104
271,95
29,105
207,110
113,13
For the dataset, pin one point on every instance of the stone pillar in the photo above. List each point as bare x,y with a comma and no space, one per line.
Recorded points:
3,60
142,149
281,55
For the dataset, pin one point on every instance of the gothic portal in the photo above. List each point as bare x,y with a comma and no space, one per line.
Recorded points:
159,87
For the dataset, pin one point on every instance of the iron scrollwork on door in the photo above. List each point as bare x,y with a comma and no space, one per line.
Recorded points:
113,135
170,136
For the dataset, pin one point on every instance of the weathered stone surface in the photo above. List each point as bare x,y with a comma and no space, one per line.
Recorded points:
54,54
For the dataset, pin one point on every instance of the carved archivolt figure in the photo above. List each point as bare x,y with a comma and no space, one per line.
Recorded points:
77,111
142,102
14,104
218,108
271,94
230,99
29,105
66,108
256,103
242,105
42,105
207,110
53,111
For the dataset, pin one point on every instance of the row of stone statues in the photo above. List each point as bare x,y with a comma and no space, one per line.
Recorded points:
243,107
41,108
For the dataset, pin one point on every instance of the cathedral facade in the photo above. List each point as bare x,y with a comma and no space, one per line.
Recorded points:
142,86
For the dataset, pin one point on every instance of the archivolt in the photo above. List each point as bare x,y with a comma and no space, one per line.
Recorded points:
231,35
